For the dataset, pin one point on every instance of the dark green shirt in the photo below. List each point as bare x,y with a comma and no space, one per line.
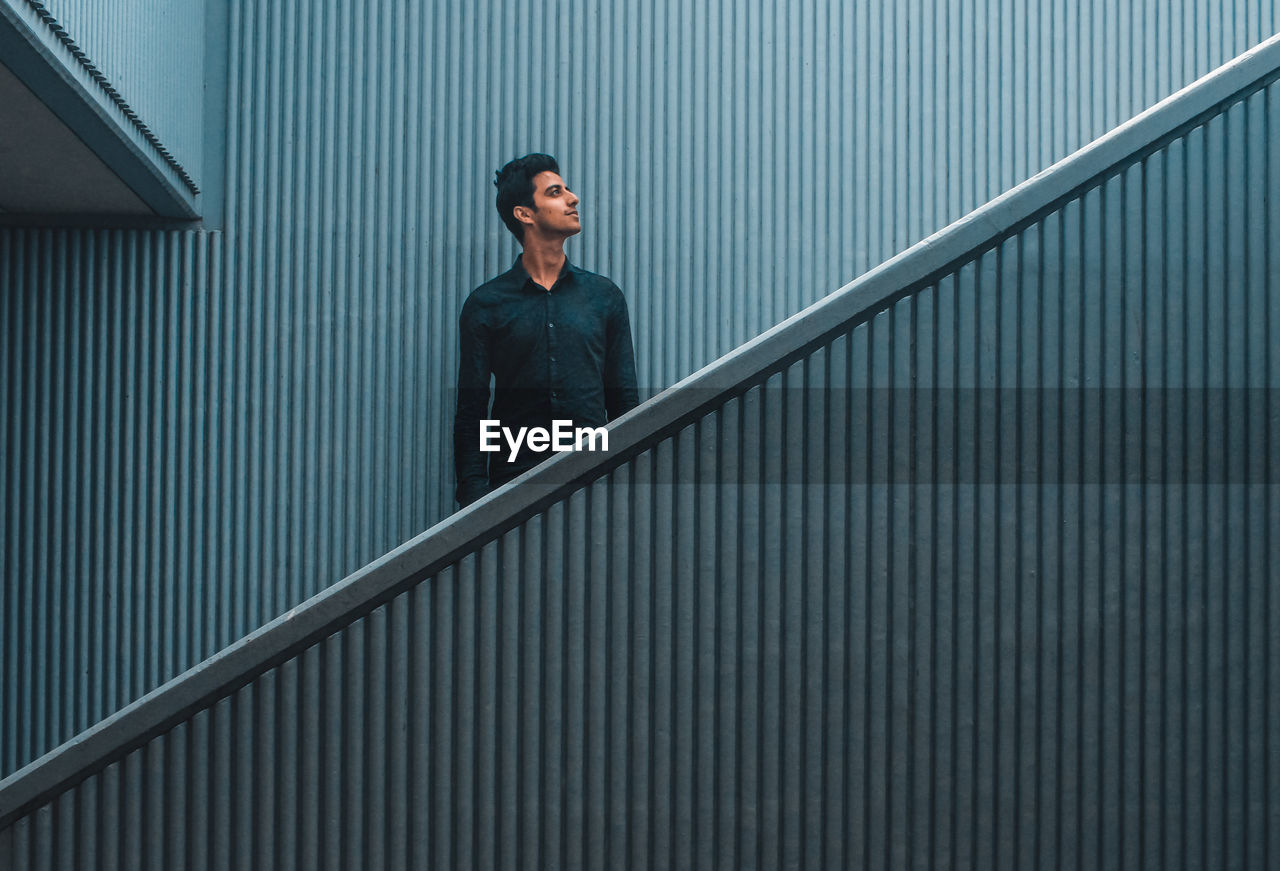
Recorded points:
562,354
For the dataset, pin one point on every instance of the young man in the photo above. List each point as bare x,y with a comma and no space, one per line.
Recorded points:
556,338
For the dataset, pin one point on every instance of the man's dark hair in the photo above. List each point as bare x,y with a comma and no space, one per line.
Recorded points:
515,187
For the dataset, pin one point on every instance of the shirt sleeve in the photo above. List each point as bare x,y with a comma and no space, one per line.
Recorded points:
620,391
470,464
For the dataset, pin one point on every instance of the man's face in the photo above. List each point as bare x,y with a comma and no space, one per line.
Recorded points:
556,212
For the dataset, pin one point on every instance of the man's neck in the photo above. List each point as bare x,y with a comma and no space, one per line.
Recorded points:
543,259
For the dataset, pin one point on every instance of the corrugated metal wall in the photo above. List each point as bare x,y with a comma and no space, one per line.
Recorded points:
152,52
1031,627
204,429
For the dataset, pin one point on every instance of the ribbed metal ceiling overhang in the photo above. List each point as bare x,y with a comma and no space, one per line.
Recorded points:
71,147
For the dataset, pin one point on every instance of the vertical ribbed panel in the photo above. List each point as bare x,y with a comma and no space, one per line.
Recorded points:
152,53
985,581
203,430
110,545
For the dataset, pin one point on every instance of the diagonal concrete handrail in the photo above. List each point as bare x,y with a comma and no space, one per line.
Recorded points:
468,530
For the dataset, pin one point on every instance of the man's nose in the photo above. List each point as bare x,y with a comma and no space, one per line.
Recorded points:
573,198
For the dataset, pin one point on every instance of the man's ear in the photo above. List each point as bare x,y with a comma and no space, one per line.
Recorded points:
523,214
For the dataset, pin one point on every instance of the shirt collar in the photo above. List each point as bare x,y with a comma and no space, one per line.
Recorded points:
521,277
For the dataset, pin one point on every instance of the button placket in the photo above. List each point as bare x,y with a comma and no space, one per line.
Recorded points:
551,348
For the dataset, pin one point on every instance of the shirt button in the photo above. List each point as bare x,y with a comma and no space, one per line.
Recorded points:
550,325
553,359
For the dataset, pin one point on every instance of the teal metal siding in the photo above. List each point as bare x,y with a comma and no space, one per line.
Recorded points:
208,428
1064,652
